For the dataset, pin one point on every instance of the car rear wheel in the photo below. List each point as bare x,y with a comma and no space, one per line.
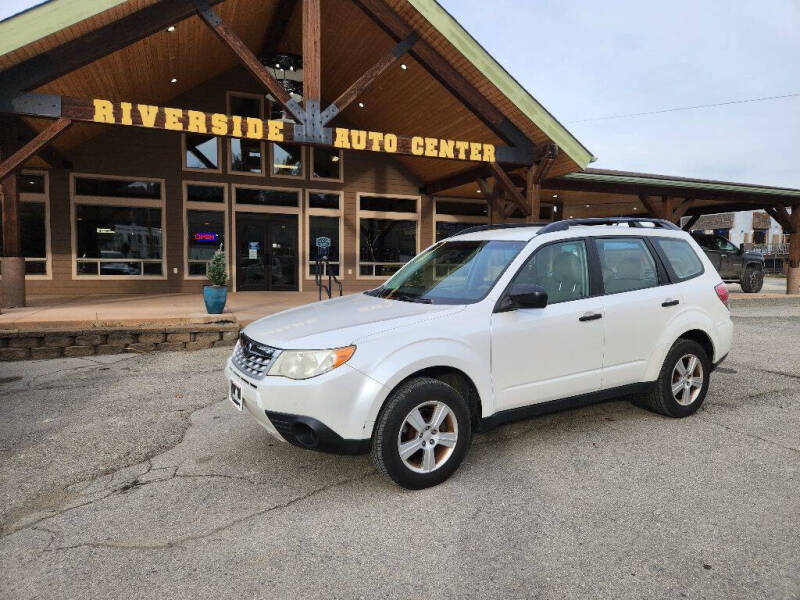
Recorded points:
683,382
753,279
422,433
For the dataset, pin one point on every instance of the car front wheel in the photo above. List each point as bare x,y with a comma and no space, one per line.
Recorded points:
422,433
752,280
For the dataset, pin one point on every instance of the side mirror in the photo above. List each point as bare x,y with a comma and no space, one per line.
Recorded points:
525,295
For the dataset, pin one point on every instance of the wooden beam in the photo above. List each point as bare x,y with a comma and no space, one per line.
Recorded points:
493,198
248,59
89,47
444,72
533,191
12,239
692,220
783,218
653,208
681,209
11,164
277,28
312,64
511,192
48,154
666,207
358,87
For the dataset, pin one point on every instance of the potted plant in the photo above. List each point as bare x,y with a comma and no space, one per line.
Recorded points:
216,294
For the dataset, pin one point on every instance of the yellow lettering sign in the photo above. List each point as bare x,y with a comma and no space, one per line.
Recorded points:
417,146
431,147
342,138
219,124
390,142
255,128
147,114
447,149
462,149
375,139
488,152
197,121
125,108
275,131
103,111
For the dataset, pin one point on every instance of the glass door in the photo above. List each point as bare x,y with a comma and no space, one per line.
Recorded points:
266,252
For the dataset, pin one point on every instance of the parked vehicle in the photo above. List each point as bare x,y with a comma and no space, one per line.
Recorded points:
732,262
487,326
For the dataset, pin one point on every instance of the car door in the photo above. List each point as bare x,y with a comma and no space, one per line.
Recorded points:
541,354
709,245
729,258
638,302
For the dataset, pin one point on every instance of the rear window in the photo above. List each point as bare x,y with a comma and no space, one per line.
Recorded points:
680,256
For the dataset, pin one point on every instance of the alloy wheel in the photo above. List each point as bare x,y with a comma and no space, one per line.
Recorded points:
427,437
687,379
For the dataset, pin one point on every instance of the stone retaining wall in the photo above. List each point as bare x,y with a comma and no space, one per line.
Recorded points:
40,344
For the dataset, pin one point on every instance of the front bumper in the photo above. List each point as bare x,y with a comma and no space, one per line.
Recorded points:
327,413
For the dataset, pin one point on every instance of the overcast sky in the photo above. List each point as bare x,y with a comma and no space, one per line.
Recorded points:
588,59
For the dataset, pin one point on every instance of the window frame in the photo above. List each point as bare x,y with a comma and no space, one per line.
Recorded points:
264,156
323,212
209,207
661,273
44,198
303,158
388,215
258,208
311,167
592,266
76,199
195,169
673,277
437,218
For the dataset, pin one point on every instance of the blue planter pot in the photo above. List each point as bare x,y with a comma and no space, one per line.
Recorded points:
215,298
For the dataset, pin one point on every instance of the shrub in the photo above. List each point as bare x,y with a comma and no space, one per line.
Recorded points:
216,270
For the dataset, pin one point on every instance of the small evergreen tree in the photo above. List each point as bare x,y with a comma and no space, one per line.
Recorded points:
215,270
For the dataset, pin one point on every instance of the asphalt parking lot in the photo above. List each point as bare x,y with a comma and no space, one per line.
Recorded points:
132,477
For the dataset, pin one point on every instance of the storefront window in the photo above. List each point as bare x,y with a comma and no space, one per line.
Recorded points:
118,240
206,233
287,160
446,229
117,188
247,156
323,200
202,152
266,197
327,164
388,204
205,193
33,230
385,245
30,183
454,216
327,227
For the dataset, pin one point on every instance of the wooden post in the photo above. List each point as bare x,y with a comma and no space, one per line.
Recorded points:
13,284
312,65
533,194
793,273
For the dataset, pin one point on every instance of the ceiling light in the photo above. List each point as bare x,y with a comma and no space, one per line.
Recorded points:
360,105
587,206
404,67
174,80
634,208
555,195
478,191
171,28
335,158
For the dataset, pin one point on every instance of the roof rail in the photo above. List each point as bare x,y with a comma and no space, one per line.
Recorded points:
499,226
629,221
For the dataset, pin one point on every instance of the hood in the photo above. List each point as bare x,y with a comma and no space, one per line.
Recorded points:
753,256
341,321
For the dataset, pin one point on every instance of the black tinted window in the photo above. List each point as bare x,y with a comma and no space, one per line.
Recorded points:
627,265
680,256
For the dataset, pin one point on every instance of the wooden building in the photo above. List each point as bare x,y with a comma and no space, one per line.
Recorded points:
139,136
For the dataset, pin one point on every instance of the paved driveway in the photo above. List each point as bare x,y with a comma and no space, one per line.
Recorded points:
132,477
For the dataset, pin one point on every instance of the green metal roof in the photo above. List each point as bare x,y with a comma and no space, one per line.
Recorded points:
494,72
46,18
648,179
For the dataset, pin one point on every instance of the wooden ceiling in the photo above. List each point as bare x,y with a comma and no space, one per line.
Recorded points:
406,102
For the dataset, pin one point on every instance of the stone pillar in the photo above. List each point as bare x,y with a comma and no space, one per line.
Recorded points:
13,283
793,273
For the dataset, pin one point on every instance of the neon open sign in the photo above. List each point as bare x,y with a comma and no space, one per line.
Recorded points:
203,236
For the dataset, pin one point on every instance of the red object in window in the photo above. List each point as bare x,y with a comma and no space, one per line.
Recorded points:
205,237
722,294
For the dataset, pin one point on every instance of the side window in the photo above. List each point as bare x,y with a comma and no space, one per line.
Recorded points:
561,269
680,257
725,245
626,264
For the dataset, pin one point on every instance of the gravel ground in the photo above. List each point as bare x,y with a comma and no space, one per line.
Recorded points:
132,477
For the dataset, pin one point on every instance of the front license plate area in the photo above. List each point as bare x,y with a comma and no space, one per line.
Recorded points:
236,396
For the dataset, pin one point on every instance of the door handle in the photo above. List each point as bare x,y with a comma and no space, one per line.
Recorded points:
670,303
590,316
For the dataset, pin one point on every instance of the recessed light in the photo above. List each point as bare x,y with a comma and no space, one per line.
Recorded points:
588,205
335,158
171,28
555,195
360,105
634,208
174,80
404,66
478,191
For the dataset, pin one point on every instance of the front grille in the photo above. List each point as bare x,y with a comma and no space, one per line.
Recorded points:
252,358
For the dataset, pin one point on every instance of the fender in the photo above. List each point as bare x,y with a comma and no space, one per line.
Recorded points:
686,320
424,354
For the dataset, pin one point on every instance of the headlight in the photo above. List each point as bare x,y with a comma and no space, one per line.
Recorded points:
302,364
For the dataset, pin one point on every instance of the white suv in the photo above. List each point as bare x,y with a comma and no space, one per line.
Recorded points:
494,324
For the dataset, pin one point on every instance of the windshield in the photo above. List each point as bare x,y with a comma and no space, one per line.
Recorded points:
456,272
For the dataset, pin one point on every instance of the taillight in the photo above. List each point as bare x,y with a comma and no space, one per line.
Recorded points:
722,294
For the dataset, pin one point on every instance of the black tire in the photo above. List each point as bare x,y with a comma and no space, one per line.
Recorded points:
392,419
661,399
752,280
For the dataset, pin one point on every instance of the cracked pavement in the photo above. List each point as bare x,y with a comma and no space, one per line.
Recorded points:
132,477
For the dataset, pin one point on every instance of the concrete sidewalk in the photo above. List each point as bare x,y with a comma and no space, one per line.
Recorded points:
131,310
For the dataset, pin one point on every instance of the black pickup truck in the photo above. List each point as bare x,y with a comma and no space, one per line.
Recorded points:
733,263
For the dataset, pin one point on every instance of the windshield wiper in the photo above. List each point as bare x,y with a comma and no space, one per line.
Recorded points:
406,298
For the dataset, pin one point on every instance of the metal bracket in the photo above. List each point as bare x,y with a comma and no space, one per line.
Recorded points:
31,103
